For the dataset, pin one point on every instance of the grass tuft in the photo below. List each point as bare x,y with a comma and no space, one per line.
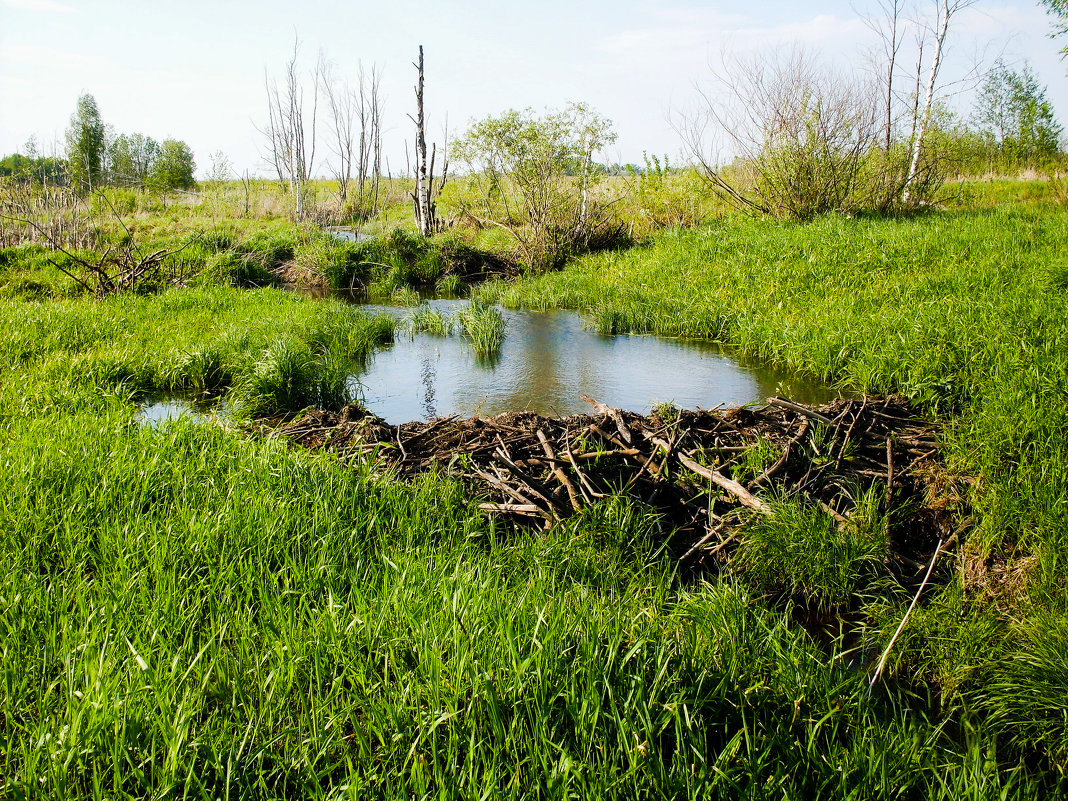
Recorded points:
429,321
806,554
482,326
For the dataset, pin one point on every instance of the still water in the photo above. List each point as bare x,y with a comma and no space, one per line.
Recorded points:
548,360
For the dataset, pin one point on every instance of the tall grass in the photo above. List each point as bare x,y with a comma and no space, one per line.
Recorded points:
482,326
279,352
806,554
963,312
289,377
188,613
430,321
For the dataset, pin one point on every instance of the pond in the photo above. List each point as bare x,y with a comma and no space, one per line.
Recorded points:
156,410
548,360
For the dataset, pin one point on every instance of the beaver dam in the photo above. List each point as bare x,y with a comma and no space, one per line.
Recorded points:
705,474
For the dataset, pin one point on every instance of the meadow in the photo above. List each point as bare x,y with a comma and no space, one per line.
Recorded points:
196,609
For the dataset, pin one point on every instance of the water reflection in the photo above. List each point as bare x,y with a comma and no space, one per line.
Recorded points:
155,413
548,359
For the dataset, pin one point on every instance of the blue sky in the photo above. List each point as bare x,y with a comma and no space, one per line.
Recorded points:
195,70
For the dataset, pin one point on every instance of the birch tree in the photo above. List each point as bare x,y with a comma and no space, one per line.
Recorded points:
425,195
87,145
946,10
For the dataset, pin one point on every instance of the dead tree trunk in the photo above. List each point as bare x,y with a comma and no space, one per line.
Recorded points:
425,194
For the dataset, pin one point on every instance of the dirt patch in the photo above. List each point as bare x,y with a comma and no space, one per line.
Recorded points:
702,471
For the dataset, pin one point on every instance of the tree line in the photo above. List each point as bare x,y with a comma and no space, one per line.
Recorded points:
97,156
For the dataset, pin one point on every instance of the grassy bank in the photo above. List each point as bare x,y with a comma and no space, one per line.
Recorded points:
190,614
964,312
191,610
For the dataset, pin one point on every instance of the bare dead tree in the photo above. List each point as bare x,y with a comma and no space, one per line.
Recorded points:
890,30
342,107
289,131
370,173
425,195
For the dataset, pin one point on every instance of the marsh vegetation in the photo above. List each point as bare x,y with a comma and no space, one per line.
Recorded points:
201,608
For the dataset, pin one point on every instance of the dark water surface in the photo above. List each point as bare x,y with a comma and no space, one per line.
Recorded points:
548,359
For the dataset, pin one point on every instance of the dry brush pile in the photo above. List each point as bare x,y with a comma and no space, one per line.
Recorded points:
704,473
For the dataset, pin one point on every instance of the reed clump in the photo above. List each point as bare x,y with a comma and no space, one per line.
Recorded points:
427,320
482,326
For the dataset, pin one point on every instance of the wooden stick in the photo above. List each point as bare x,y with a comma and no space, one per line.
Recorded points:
583,482
796,407
511,508
889,485
560,475
732,486
849,433
886,653
601,408
504,487
711,533
596,454
834,512
536,487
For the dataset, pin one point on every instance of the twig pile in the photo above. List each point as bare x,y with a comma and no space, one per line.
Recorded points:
542,469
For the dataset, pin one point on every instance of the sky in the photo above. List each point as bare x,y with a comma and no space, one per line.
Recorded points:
195,70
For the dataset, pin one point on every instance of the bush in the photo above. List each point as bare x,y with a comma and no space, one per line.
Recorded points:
535,176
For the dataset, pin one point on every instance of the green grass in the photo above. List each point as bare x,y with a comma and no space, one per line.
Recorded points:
189,613
430,321
482,326
963,311
806,554
189,610
61,355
